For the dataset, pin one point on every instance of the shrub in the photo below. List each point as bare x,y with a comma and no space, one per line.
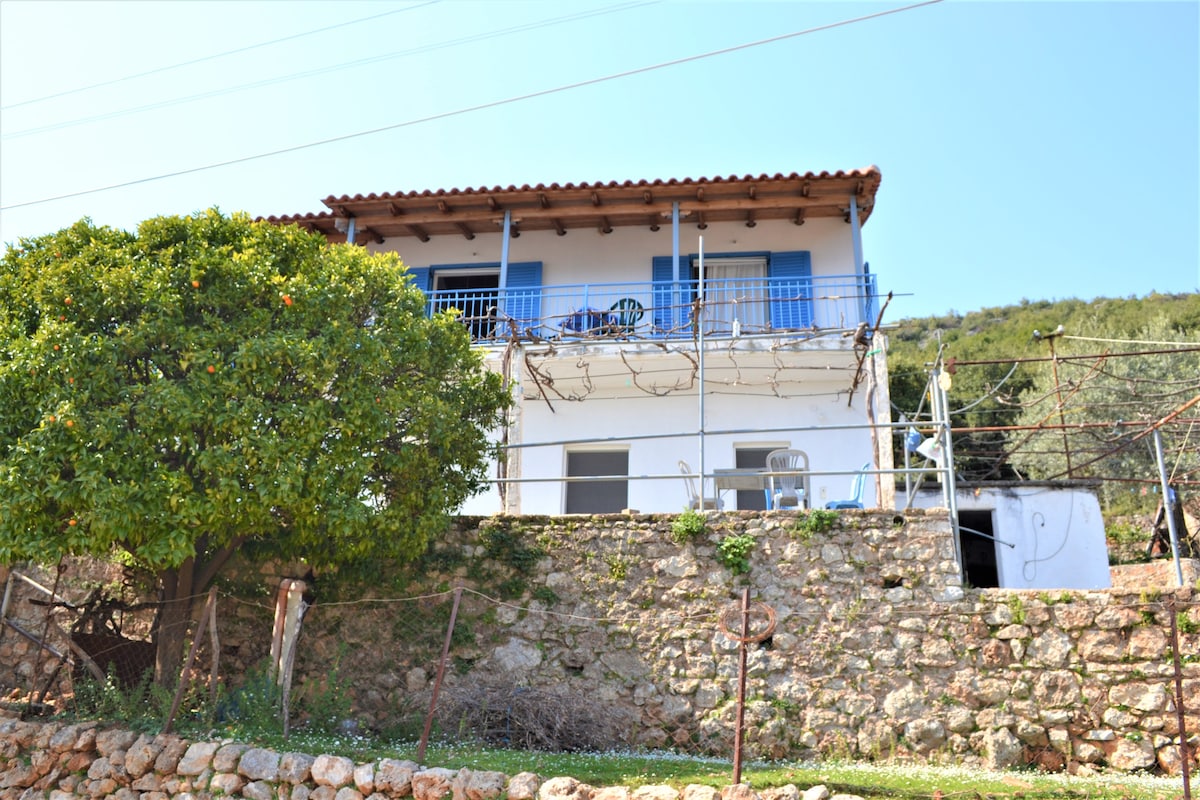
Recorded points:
734,553
554,720
689,525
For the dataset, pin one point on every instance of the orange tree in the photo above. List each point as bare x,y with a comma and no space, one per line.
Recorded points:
209,384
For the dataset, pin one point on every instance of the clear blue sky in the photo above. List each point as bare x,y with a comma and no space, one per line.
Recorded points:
1028,150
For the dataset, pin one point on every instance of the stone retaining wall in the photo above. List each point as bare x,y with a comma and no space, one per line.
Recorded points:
53,761
879,650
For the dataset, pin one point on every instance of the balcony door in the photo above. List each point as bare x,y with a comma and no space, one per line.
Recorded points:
735,289
475,293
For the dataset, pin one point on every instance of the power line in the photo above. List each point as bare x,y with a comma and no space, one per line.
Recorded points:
324,70
211,57
469,109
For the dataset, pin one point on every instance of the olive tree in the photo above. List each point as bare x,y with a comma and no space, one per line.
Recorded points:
210,383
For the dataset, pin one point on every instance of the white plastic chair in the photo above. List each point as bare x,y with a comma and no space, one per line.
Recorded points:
710,503
788,490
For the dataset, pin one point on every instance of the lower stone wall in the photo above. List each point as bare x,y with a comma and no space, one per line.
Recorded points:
60,762
878,649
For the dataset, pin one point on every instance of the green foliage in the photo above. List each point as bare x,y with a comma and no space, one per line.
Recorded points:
1017,607
819,520
733,552
508,546
210,383
1145,388
1185,624
326,705
988,394
689,525
143,707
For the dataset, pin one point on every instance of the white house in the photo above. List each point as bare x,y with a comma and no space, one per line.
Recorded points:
647,323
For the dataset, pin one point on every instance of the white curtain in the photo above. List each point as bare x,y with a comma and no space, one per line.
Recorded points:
735,288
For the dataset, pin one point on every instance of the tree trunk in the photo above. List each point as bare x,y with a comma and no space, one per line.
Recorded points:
180,588
171,625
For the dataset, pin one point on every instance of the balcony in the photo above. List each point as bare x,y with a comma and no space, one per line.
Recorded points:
663,309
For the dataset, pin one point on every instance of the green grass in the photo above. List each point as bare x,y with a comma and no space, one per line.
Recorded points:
897,781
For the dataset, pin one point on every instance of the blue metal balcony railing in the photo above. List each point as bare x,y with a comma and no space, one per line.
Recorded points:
663,309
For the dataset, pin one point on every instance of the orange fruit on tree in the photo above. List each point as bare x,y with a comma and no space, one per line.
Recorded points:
211,369
195,284
72,522
287,299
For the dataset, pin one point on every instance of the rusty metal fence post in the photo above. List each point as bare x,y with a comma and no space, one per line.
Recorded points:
437,683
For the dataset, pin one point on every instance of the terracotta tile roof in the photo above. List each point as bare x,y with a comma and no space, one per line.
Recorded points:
603,206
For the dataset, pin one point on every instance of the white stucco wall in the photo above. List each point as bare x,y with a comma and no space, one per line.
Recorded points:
631,415
1057,533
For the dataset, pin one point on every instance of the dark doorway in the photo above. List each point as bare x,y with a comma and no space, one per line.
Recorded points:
978,552
474,294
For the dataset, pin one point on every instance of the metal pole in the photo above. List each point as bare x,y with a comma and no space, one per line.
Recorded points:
741,698
437,683
941,409
1058,390
699,322
1168,501
1184,755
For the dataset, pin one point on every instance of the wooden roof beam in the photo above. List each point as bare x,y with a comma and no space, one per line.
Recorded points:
466,231
418,232
605,225
373,235
558,226
395,210
750,222
798,219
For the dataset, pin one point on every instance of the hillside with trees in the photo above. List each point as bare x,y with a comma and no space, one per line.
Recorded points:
1064,389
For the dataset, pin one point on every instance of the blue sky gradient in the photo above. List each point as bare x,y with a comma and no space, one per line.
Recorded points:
1028,150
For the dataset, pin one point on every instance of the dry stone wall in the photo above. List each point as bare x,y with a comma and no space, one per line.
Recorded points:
53,761
878,650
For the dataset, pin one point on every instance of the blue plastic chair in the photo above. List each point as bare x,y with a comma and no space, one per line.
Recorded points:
856,491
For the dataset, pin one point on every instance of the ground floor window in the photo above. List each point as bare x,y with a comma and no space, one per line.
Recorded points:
597,496
751,457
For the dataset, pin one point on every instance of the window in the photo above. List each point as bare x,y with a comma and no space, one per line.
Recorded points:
474,289
735,289
472,292
597,496
763,291
751,458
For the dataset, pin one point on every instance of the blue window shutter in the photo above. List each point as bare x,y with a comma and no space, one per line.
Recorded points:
790,278
523,294
420,276
662,271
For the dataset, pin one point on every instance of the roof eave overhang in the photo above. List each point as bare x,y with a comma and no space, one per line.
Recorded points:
602,207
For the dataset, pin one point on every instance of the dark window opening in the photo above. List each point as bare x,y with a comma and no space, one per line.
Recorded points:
751,458
475,295
978,552
598,496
